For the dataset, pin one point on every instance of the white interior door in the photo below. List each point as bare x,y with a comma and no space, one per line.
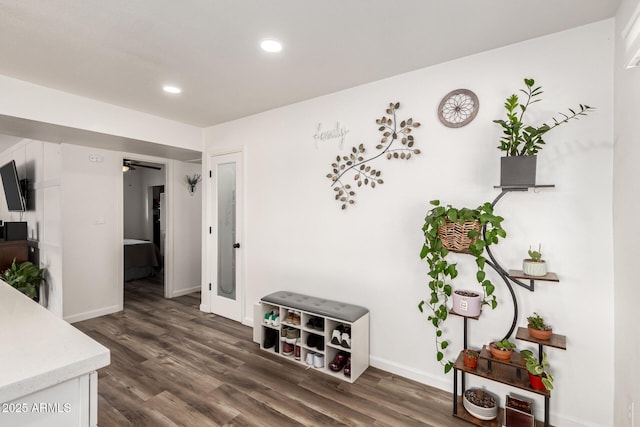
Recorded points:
225,238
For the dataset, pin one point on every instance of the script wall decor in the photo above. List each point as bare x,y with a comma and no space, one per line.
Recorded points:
356,166
338,132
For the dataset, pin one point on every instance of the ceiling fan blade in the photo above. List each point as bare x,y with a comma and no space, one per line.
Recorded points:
145,166
130,163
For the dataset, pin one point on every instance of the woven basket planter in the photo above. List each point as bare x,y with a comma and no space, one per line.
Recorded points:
455,236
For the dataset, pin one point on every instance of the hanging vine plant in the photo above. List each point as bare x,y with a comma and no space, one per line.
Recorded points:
356,163
437,246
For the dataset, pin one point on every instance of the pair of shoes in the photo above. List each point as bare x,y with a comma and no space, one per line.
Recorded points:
339,361
347,368
289,334
287,349
272,318
315,341
341,336
293,317
270,338
315,359
316,323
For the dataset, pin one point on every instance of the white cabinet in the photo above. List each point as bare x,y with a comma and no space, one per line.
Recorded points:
47,369
314,339
72,403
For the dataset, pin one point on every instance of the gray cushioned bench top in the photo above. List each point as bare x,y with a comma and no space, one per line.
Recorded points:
335,309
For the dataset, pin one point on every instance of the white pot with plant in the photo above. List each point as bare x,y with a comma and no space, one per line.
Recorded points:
467,303
534,265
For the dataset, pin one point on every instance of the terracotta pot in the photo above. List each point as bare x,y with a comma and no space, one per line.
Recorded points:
470,361
536,382
498,353
540,335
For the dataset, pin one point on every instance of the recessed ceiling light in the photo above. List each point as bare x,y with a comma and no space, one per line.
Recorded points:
171,89
271,46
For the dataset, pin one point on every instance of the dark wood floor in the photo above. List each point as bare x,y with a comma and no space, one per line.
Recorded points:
172,365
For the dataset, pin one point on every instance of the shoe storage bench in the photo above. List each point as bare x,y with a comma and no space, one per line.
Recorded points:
315,321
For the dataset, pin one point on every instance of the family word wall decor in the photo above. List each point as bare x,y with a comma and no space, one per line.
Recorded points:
337,132
355,163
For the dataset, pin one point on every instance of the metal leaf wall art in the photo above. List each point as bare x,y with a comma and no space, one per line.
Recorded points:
355,166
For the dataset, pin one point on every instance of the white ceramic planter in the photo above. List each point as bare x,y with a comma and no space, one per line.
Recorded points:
533,268
467,303
480,412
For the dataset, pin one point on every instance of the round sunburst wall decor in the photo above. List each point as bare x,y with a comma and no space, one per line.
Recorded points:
458,108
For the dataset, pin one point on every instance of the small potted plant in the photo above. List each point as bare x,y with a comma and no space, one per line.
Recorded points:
537,328
520,141
470,357
540,378
480,403
534,265
502,349
467,303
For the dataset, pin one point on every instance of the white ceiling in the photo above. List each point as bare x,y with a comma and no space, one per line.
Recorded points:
123,51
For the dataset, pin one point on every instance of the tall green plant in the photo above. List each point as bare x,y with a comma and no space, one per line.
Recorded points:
25,277
442,273
520,139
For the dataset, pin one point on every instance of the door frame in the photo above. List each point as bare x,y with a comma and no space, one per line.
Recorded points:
209,250
168,249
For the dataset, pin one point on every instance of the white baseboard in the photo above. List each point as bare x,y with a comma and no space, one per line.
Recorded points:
412,373
187,291
91,314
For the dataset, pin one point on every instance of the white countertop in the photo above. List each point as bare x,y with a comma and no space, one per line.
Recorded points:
39,350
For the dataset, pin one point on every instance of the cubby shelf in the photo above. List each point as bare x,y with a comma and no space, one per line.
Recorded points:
359,350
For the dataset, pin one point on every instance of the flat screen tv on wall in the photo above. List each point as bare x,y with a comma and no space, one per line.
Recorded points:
11,184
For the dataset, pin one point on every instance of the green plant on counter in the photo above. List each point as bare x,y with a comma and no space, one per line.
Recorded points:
25,277
441,272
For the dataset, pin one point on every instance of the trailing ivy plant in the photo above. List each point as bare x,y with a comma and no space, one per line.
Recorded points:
442,272
356,163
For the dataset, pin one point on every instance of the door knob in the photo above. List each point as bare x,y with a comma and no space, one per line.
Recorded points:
236,245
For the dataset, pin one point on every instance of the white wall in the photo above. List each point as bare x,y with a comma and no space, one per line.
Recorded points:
39,162
134,205
298,239
626,204
187,218
92,232
138,221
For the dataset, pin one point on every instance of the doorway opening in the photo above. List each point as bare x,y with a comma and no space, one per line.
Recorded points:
144,227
